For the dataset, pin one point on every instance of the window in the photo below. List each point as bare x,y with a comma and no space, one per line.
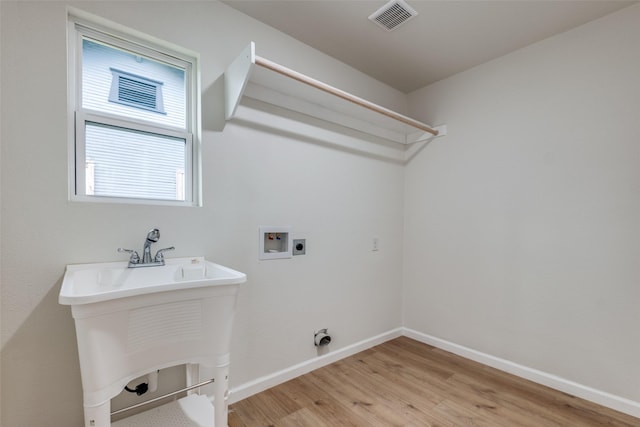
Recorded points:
134,123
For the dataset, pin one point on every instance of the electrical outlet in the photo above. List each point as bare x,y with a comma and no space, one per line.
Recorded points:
299,246
375,244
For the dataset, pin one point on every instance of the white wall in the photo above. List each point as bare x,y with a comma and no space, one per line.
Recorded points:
521,226
320,182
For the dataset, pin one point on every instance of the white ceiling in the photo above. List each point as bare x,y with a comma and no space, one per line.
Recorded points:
447,36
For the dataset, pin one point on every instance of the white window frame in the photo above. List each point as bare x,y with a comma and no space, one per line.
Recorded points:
82,25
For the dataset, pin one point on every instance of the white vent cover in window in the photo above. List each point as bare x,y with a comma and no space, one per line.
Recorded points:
133,91
393,14
136,91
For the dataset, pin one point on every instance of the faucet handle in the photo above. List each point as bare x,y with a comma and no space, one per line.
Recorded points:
134,258
160,254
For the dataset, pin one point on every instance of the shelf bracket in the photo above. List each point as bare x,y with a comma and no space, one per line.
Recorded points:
236,78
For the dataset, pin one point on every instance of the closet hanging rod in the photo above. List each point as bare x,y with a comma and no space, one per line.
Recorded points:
265,63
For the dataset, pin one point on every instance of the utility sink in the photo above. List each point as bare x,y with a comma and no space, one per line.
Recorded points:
90,283
134,321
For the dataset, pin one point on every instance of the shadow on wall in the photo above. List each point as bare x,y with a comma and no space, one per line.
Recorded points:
271,119
213,106
41,382
301,127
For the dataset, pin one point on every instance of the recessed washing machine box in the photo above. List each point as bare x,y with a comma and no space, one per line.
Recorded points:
275,242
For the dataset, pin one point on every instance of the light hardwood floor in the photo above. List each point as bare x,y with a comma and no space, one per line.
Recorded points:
406,383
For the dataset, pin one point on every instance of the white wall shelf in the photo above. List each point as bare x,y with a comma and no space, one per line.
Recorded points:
259,78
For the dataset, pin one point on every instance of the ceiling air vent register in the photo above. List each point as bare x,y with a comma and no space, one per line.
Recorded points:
393,14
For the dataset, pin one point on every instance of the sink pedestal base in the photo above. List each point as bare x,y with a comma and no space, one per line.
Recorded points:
219,388
191,411
191,408
97,416
130,322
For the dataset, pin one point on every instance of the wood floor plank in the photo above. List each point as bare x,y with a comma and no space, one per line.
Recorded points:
407,383
439,389
354,392
401,396
310,395
516,409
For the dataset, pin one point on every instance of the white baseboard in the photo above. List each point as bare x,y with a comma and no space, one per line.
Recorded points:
600,397
260,384
608,400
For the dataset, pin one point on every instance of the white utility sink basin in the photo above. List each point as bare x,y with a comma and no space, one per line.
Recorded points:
90,283
134,321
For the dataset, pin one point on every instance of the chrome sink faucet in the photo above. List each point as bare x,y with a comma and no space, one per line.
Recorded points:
134,260
152,237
